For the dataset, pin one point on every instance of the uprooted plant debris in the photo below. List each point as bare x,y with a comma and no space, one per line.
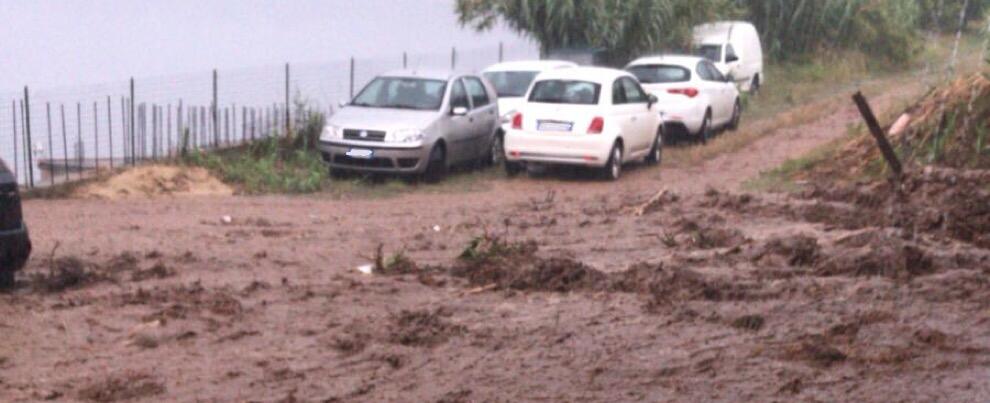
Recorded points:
425,328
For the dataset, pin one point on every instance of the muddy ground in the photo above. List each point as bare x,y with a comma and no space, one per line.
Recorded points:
567,294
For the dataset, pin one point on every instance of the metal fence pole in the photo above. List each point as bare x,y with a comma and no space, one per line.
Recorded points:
26,108
48,113
204,129
214,113
25,149
453,58
405,60
123,129
96,137
131,121
501,53
110,131
65,145
288,121
79,147
154,132
13,108
352,79
168,130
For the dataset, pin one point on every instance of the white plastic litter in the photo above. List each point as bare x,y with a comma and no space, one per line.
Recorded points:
365,268
227,219
436,228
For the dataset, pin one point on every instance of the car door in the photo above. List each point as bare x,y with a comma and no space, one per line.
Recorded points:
483,116
461,128
714,86
727,94
623,115
642,129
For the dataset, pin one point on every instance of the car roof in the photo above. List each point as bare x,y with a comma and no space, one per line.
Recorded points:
424,73
593,74
530,65
678,60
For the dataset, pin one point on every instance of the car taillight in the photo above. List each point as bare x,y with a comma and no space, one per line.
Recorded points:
596,126
689,92
517,121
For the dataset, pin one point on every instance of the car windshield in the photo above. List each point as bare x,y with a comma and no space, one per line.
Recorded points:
710,52
565,92
659,73
511,83
402,93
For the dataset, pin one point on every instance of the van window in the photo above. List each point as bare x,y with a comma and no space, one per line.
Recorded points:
710,52
479,96
730,52
511,83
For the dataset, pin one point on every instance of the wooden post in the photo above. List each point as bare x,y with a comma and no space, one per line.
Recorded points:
877,132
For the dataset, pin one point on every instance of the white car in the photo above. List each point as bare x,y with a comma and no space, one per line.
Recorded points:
694,98
512,79
584,116
734,47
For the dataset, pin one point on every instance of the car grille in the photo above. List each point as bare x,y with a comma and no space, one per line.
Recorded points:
10,208
369,135
376,162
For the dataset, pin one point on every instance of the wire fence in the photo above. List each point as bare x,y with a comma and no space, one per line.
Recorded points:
54,135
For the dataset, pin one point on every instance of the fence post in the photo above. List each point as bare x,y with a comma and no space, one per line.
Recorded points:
65,145
26,108
79,148
154,132
110,131
13,105
168,130
131,122
25,149
96,137
288,121
48,113
501,53
405,60
453,58
215,116
352,78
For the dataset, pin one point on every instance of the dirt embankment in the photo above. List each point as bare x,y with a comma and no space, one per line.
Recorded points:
155,181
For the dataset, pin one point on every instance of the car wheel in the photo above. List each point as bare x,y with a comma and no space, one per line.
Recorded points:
613,168
436,168
736,116
656,152
496,155
705,133
6,279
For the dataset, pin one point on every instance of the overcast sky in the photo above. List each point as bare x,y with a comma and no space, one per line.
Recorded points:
46,43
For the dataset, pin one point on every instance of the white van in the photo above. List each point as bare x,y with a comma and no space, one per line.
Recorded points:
734,47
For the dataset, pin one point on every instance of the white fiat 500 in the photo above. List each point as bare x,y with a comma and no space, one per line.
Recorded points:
695,98
585,116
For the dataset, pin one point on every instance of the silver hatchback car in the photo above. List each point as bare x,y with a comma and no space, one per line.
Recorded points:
414,122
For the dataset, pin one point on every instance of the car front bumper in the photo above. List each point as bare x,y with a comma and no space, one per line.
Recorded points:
384,159
579,149
15,248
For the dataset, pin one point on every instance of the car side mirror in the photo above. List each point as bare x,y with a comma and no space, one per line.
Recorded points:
731,59
459,111
651,101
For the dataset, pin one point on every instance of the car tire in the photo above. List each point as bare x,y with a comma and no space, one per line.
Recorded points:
656,152
496,153
736,116
436,168
613,168
6,279
513,169
706,131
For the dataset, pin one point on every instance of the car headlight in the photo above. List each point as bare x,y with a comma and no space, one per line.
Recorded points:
331,132
404,136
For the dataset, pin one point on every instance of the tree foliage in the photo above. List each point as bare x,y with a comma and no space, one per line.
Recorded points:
887,28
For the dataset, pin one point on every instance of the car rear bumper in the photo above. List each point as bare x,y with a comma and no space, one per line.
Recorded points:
383,159
578,149
15,248
688,114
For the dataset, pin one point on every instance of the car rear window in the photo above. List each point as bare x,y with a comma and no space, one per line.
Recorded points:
660,73
565,92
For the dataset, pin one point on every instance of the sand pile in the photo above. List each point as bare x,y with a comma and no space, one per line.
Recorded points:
156,181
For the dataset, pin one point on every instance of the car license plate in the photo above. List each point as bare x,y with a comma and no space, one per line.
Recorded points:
360,153
554,126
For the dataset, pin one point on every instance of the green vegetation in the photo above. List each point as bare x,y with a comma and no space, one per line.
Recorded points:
280,164
890,29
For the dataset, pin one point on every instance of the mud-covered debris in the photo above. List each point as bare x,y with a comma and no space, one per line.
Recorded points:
67,273
817,351
396,264
703,235
423,328
749,322
893,258
516,265
792,250
666,285
124,387
157,271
